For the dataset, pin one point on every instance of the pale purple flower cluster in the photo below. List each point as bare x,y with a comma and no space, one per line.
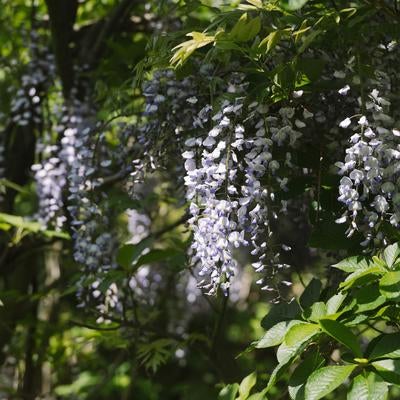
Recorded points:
50,177
37,76
224,173
371,170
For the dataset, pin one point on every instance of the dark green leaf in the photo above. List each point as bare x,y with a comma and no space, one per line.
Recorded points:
296,383
388,369
129,253
342,334
311,293
385,346
368,298
281,312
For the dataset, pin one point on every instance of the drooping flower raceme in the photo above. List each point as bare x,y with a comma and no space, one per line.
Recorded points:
230,205
371,170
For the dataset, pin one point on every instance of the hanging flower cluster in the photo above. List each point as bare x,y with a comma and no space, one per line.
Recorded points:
36,79
370,171
226,172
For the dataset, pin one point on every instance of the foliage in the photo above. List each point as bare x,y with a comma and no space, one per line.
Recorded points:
172,173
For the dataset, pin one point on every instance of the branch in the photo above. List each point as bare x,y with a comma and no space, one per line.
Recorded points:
111,24
62,15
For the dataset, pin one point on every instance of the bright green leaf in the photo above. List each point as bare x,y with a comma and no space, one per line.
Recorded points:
389,285
391,253
246,385
352,264
229,392
276,334
292,5
324,380
370,387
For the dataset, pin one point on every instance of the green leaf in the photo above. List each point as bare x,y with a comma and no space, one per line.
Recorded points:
370,387
352,264
311,293
246,385
271,40
368,298
129,253
363,277
315,312
245,29
385,346
389,285
324,380
258,396
30,226
342,334
391,253
281,312
276,334
388,369
172,256
292,5
296,382
334,303
308,40
286,355
229,392
300,332
184,50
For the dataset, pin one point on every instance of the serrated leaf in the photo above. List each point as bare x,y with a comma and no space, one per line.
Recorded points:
275,335
229,392
389,285
352,264
370,387
342,334
311,293
391,253
290,355
325,380
296,382
246,385
385,346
